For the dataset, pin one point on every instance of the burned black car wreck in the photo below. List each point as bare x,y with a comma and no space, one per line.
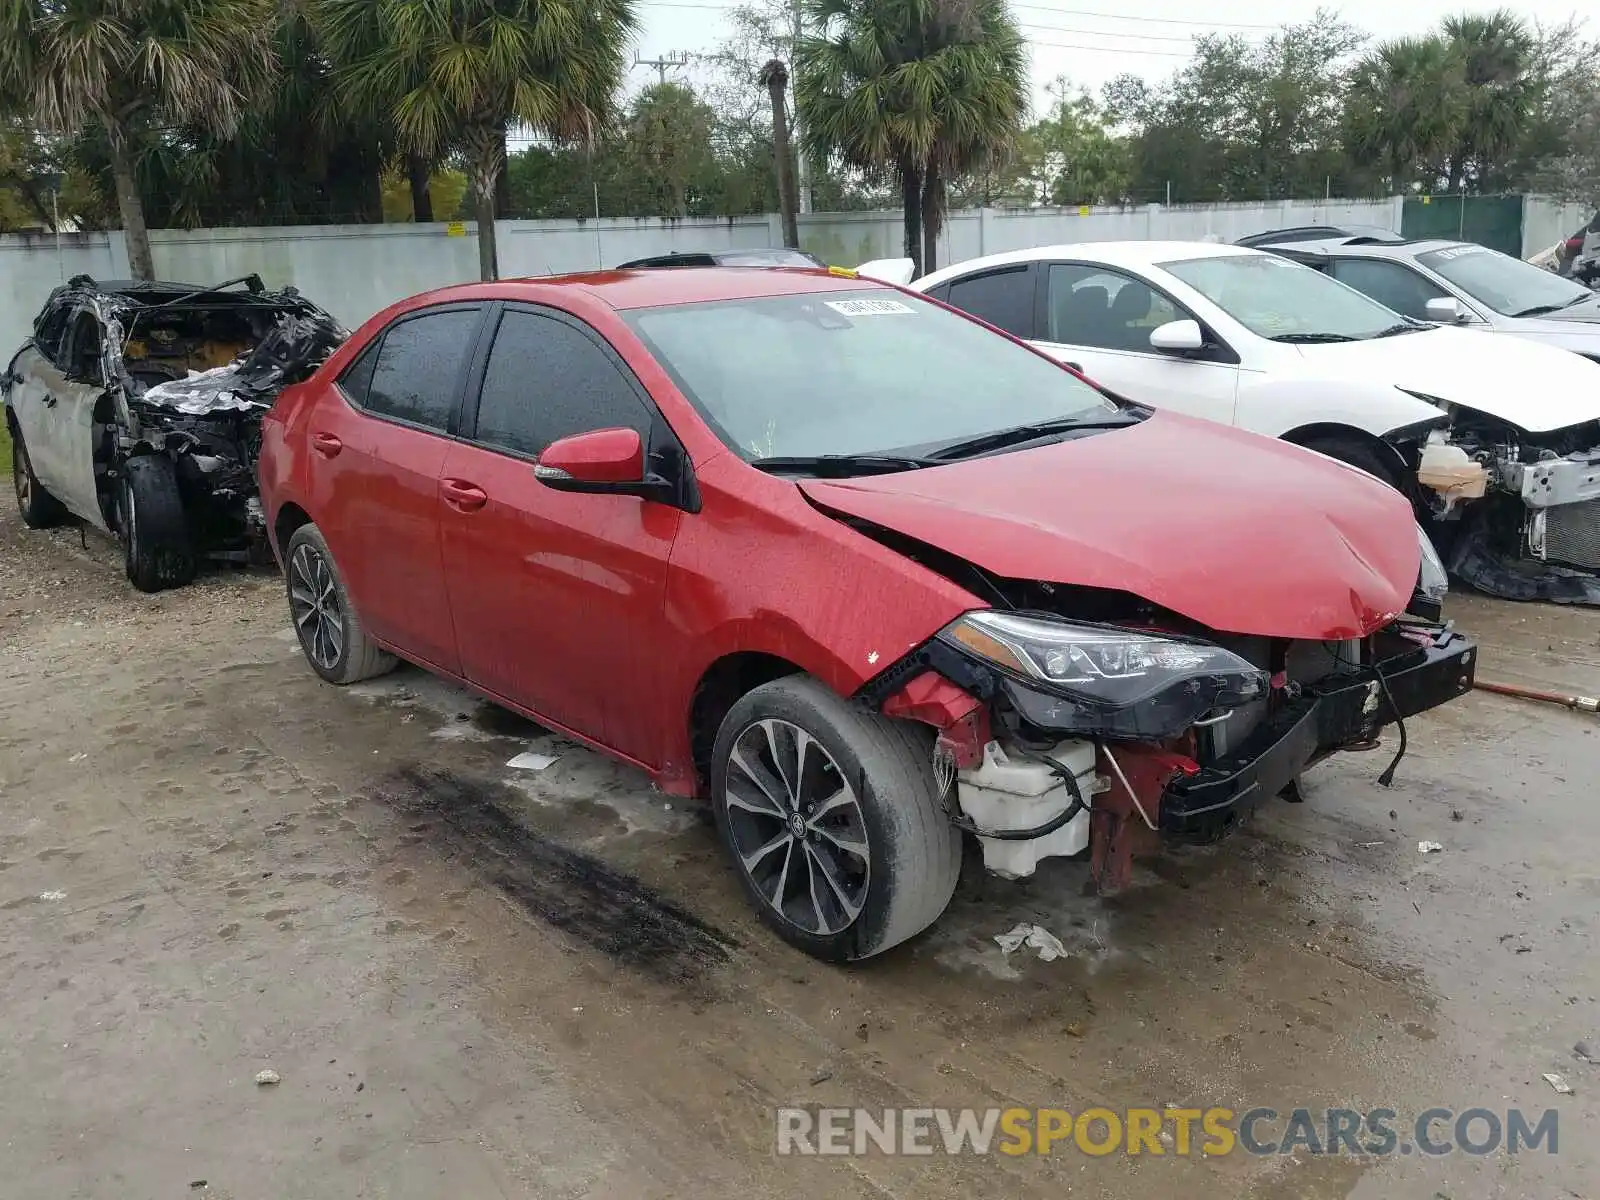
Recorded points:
136,408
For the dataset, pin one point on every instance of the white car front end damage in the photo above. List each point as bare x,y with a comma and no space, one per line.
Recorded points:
1496,439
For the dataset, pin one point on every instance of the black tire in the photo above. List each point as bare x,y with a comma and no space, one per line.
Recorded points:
1360,455
39,509
330,631
157,550
905,878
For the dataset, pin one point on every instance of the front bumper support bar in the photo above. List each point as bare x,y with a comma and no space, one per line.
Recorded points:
1328,714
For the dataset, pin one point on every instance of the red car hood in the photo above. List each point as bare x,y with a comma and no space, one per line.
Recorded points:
1238,532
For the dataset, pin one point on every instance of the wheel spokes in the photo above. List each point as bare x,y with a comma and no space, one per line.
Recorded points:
774,807
787,804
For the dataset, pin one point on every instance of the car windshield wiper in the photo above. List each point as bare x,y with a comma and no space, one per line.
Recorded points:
840,466
984,442
1309,338
1402,327
1539,310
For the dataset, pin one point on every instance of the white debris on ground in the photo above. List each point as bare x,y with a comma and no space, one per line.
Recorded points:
531,760
268,1078
1429,847
1036,937
1560,1084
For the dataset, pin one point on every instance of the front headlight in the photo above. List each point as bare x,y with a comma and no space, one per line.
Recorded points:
1433,582
1103,680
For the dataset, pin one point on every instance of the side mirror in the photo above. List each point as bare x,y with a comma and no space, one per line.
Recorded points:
604,462
1178,337
1447,310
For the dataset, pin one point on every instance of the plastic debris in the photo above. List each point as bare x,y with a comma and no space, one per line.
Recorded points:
1035,936
1583,1052
529,760
1561,1085
52,895
1429,847
268,1078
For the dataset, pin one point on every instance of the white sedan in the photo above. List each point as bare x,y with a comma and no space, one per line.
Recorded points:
1251,339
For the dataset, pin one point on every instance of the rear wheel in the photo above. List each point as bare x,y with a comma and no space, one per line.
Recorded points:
833,820
39,509
157,550
330,631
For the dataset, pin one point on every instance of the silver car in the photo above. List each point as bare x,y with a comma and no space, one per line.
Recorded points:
1453,283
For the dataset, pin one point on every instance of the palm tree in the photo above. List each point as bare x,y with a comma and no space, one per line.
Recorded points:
922,89
1404,108
455,74
133,68
775,77
1494,56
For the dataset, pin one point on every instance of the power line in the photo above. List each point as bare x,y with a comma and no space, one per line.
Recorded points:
1051,9
1105,16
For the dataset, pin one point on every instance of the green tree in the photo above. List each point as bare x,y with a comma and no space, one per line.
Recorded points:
667,148
923,90
1071,156
455,74
130,67
1243,120
1404,108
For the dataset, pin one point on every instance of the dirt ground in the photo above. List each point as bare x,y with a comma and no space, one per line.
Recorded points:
478,982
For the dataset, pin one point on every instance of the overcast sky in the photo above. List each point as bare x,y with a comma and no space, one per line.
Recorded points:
1093,40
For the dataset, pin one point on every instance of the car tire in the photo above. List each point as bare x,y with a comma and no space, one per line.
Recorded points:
866,783
1358,454
330,631
39,509
157,550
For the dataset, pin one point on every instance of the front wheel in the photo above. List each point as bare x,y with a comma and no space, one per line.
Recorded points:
157,549
833,820
1358,454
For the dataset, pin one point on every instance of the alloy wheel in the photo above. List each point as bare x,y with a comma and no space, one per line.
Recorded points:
21,474
797,827
314,604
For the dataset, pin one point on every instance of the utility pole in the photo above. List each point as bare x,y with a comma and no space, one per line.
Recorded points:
678,58
802,172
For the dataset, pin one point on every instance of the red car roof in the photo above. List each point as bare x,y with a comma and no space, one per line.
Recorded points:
688,285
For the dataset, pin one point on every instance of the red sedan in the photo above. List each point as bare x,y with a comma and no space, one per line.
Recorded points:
871,575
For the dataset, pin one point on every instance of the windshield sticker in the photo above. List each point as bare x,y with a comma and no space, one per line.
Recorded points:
1456,252
868,308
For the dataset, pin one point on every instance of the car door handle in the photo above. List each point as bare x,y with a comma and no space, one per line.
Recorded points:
468,497
326,444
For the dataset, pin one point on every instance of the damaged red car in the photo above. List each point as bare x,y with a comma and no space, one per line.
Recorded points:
880,582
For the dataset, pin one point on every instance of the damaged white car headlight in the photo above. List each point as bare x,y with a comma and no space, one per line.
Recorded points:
1103,680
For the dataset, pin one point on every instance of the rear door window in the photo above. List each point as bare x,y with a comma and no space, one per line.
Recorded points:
1003,298
417,374
548,379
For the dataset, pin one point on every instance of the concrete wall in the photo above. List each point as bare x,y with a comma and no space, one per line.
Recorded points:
849,238
1546,222
355,270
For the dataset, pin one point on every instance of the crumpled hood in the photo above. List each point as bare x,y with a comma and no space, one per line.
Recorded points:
1533,386
1238,532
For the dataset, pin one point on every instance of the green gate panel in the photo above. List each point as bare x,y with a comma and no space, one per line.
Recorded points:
1493,221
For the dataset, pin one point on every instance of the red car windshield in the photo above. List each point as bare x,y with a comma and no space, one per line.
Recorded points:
854,373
